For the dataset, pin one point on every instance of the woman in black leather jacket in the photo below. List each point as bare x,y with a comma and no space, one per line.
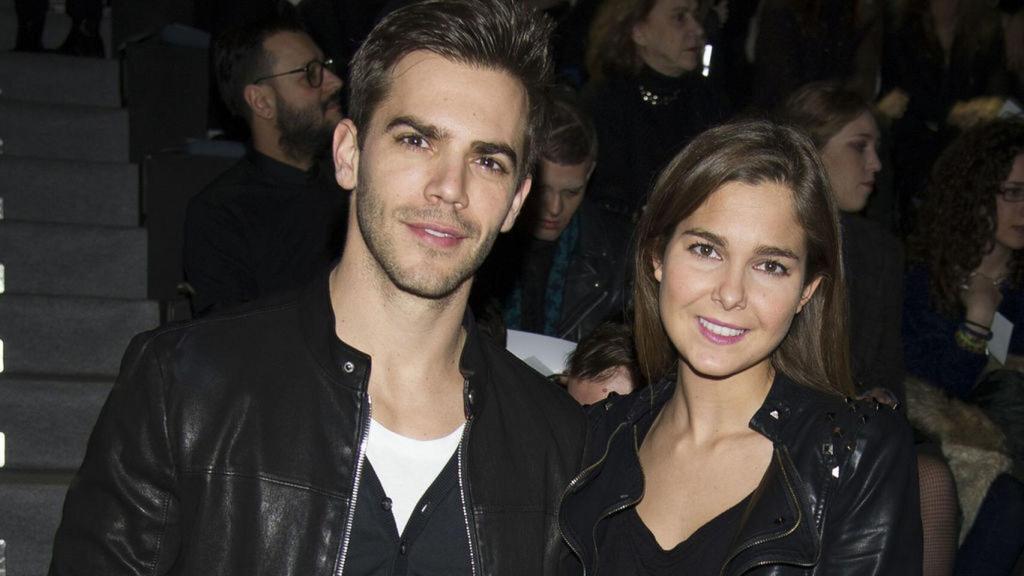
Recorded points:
745,456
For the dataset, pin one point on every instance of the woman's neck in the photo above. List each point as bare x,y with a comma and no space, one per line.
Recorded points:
710,408
996,264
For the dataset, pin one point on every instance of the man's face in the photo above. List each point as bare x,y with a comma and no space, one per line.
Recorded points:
437,173
305,115
558,194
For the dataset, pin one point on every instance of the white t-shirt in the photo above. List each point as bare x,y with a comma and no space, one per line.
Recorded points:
407,467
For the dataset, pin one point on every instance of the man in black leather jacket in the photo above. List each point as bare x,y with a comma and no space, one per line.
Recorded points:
244,443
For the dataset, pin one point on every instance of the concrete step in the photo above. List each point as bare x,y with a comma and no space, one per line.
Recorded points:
65,131
73,260
47,421
60,79
68,191
70,336
30,509
57,26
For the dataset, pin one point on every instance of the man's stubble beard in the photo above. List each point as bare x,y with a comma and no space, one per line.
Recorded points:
305,133
372,220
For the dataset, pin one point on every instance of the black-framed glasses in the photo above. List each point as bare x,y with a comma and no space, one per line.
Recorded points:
314,71
1012,192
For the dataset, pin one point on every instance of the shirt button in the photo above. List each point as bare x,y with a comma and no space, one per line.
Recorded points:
349,367
386,503
401,548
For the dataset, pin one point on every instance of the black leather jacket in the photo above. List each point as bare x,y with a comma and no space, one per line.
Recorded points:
839,497
230,446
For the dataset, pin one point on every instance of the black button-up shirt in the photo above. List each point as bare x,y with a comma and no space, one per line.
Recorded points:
434,539
262,227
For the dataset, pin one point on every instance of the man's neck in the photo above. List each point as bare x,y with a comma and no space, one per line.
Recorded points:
415,345
266,143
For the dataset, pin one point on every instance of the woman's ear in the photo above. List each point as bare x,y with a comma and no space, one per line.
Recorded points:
346,154
809,289
656,267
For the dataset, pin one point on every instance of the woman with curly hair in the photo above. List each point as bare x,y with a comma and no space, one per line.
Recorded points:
646,94
968,258
966,267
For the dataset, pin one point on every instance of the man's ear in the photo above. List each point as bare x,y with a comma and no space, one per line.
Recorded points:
260,100
346,154
517,203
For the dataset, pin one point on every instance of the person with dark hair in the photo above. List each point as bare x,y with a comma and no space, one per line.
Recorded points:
277,217
602,363
646,94
803,41
742,455
966,257
843,128
363,426
560,272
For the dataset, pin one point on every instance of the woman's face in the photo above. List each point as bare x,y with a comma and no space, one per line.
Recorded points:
732,279
851,158
670,40
1010,215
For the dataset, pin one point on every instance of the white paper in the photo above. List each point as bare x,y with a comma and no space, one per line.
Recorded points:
1010,109
999,345
544,354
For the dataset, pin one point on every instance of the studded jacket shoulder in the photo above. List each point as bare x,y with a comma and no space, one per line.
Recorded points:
839,497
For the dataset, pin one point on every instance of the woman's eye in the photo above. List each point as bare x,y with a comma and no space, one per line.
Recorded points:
774,268
703,250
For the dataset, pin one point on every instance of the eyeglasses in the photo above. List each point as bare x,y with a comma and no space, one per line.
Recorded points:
314,71
1012,193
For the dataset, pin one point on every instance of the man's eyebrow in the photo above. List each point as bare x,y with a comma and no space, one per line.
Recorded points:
495,148
429,131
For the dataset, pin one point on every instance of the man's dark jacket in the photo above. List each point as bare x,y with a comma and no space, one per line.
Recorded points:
840,495
229,446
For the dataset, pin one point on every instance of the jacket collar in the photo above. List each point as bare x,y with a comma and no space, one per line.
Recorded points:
349,366
777,525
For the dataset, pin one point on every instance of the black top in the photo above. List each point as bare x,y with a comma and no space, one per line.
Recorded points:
630,549
540,255
434,539
637,138
262,227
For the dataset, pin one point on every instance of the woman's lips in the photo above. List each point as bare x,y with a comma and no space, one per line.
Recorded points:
719,332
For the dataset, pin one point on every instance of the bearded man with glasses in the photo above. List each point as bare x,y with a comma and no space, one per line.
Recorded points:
277,217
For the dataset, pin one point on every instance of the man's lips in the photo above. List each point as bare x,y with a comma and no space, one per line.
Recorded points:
437,234
549,224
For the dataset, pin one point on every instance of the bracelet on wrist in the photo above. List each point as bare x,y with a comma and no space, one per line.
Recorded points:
985,334
970,342
982,327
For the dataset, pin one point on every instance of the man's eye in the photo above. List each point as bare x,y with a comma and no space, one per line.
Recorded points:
492,164
414,140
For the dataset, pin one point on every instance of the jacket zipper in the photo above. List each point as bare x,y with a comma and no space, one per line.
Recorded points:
619,508
360,456
572,484
799,520
462,494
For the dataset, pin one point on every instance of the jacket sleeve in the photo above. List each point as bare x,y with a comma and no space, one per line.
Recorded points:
890,369
216,256
873,525
120,513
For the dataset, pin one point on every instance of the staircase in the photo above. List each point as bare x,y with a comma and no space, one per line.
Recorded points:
72,282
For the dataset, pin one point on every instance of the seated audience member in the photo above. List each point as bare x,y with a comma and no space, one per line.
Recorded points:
561,273
843,128
966,257
741,455
841,125
602,363
646,94
945,57
277,217
801,41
